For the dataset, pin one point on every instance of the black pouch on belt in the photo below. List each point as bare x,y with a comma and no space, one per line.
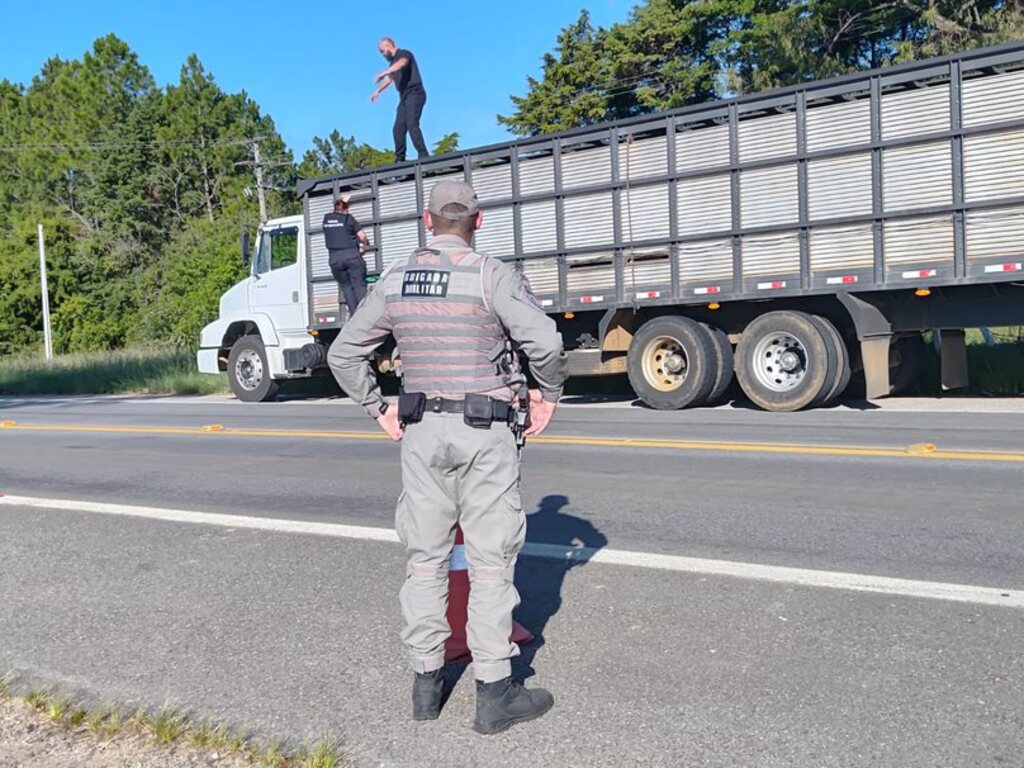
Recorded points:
477,411
411,406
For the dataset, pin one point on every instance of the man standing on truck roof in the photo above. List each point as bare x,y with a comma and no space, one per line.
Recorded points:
345,241
452,311
404,72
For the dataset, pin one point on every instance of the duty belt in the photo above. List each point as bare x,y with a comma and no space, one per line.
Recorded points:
500,410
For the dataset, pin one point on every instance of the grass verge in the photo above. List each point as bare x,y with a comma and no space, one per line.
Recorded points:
168,727
993,371
165,371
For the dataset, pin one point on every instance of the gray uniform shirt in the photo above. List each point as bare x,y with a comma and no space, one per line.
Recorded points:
512,303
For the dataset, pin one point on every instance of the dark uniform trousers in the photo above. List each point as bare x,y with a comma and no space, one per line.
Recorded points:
349,270
407,120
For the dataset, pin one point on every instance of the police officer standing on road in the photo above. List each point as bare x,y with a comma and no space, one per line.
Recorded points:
404,72
345,241
452,311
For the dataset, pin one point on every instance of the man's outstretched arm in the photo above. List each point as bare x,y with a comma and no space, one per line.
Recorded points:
381,88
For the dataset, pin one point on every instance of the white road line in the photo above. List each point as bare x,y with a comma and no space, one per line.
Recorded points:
208,518
856,582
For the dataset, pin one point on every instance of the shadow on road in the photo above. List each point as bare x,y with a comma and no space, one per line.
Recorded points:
540,581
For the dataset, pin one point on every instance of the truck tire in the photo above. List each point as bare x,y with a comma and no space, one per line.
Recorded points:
671,363
249,371
839,362
724,365
784,362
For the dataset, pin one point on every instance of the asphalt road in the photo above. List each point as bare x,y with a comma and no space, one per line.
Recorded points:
294,634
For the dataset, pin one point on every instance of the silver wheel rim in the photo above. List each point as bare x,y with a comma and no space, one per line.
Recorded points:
249,370
664,363
780,362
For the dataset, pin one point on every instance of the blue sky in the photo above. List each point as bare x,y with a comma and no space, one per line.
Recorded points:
310,65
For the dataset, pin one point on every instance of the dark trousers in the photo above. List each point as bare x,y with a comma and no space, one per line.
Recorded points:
407,119
349,270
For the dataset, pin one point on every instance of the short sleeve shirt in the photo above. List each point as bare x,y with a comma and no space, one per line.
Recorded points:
409,75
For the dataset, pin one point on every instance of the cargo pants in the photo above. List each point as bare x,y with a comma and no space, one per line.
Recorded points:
453,473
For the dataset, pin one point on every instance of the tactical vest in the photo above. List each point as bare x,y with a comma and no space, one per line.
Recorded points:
448,337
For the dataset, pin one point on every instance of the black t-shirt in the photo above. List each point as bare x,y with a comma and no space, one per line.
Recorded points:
409,75
340,231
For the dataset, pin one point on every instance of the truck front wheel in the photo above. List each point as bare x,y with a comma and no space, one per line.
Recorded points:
249,371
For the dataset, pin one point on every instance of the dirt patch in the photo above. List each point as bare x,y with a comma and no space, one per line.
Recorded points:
29,740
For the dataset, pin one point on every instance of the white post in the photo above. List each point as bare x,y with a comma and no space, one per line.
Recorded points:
46,296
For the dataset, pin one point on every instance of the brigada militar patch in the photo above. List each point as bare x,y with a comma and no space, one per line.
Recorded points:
425,282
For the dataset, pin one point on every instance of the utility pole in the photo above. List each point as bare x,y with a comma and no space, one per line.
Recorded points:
46,296
261,193
260,166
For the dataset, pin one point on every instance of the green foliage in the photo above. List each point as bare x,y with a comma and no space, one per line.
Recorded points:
140,193
995,370
337,154
20,318
447,143
574,88
180,293
671,53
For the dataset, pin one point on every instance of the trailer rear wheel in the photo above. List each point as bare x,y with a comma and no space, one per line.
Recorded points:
249,371
671,363
783,361
724,365
839,362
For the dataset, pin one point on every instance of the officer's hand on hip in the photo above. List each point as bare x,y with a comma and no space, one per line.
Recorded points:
389,423
541,411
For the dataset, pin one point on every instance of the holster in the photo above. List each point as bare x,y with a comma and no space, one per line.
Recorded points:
478,411
411,406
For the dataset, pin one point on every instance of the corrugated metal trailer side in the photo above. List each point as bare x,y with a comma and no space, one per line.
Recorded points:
885,179
902,178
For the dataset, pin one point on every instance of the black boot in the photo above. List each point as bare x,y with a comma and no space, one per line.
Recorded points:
427,693
505,703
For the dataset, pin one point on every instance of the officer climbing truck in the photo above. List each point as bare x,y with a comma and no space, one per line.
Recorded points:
820,229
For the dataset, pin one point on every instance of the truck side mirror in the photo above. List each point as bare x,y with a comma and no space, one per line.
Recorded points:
245,247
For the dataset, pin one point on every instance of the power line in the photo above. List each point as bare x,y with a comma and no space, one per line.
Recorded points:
616,83
623,84
113,145
615,88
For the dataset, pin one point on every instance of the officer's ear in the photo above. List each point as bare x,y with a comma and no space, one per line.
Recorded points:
478,220
428,220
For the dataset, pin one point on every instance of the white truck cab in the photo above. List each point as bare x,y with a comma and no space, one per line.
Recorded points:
263,323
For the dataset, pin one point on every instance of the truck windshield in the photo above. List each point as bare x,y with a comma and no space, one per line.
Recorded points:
278,248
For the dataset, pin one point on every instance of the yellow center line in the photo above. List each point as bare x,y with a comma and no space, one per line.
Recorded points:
914,451
212,429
